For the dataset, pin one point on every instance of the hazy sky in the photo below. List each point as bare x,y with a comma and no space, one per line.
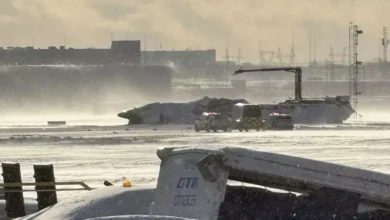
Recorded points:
197,23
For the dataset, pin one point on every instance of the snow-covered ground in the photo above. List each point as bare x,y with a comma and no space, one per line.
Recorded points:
97,148
96,153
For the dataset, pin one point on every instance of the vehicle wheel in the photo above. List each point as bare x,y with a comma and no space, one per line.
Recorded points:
215,130
196,129
240,129
257,129
246,129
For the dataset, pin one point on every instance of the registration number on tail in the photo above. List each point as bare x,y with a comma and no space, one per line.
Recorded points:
184,200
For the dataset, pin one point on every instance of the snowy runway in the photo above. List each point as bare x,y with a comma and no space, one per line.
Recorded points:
96,153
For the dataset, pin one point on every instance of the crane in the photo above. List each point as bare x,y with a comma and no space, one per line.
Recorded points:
296,70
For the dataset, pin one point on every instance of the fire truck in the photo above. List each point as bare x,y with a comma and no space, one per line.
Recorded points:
213,121
251,116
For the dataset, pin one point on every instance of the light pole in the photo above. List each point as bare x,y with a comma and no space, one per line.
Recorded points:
356,33
350,39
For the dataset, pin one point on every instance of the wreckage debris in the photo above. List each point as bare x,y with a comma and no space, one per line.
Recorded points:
325,203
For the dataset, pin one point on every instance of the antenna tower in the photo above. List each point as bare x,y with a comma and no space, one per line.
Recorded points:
143,55
292,55
309,50
356,33
331,57
269,61
227,57
344,55
279,55
379,50
385,43
260,54
314,51
350,57
144,42
239,57
310,56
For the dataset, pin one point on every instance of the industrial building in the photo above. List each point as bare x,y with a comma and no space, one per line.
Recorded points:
122,52
127,52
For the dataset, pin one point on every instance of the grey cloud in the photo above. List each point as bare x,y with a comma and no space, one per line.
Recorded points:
113,11
191,23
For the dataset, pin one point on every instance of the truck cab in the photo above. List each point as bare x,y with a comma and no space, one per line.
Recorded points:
252,116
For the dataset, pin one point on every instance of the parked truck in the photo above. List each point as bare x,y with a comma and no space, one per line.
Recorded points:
213,121
251,117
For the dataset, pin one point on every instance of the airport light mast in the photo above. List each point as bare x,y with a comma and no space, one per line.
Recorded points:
350,39
385,43
356,32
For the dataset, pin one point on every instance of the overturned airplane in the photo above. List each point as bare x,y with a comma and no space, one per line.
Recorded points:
193,183
325,110
178,113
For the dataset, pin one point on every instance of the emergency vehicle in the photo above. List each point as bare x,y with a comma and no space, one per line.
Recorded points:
247,117
213,121
251,116
276,121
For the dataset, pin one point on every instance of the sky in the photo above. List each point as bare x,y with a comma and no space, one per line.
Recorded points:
198,24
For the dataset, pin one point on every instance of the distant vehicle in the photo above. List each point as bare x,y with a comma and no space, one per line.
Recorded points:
251,116
247,117
276,121
213,121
